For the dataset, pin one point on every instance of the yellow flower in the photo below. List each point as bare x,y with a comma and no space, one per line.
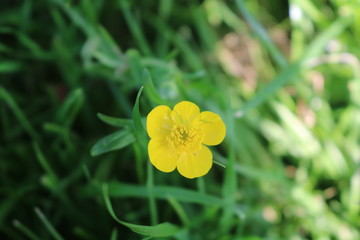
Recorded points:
178,137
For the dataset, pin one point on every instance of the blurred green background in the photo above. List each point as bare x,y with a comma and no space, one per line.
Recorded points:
284,76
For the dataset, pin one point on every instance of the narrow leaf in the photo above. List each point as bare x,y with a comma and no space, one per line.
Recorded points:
261,34
160,230
116,122
48,225
138,126
150,90
114,234
114,141
71,107
26,231
23,120
45,165
123,190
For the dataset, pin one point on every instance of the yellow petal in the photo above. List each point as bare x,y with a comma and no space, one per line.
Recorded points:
162,157
185,112
158,122
213,128
192,165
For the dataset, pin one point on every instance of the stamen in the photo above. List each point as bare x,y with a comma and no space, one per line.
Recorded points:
183,139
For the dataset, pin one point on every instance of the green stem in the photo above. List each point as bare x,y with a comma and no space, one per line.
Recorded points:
201,185
152,202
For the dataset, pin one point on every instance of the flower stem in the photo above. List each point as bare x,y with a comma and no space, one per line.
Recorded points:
201,184
152,202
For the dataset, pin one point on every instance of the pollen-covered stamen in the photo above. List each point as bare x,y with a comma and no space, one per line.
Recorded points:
184,139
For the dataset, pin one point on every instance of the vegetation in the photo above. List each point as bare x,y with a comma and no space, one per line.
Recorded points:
77,79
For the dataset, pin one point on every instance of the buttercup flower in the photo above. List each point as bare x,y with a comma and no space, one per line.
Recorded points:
178,138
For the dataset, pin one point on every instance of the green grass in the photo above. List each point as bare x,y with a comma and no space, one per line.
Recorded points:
77,79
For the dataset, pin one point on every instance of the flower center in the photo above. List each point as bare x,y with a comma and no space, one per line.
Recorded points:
183,139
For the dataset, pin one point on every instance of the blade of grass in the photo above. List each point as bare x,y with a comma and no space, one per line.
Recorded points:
161,230
317,46
62,131
179,210
135,65
71,107
135,28
151,91
292,71
123,190
53,179
76,17
114,234
162,43
138,126
262,34
87,173
48,225
285,76
311,9
121,100
11,201
205,31
33,47
110,46
116,122
18,113
26,231
253,172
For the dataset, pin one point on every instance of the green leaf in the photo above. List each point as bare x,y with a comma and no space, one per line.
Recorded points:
10,202
71,107
318,45
150,90
108,43
136,113
138,126
53,179
33,46
55,234
22,118
160,192
116,122
285,76
291,71
161,230
135,65
114,234
261,34
25,230
76,18
134,27
114,141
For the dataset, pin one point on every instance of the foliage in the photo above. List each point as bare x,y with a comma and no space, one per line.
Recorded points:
286,85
